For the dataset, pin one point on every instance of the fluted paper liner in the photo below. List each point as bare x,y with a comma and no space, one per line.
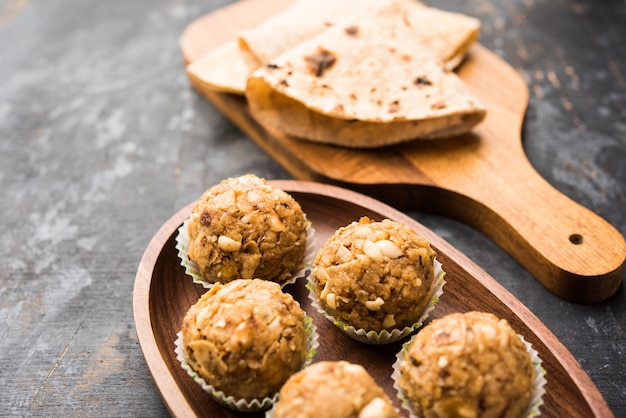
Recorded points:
536,399
244,405
385,336
192,269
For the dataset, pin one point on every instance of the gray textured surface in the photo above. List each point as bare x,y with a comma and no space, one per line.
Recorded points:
102,140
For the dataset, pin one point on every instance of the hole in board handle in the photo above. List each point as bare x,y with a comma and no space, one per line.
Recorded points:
576,239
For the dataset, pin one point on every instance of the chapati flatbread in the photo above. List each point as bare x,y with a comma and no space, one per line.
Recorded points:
222,69
366,81
300,21
449,34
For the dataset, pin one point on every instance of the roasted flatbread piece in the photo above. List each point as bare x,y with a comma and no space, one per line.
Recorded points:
365,82
223,69
300,21
449,34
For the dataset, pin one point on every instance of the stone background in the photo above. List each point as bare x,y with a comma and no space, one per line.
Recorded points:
102,140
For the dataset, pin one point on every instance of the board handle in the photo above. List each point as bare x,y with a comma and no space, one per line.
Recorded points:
572,251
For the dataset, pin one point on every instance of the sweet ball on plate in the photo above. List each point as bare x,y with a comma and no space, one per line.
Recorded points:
244,228
469,364
376,277
244,339
333,389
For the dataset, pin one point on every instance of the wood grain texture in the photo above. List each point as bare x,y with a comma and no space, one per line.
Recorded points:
163,293
483,179
103,140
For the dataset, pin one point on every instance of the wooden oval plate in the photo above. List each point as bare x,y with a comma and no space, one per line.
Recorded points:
163,293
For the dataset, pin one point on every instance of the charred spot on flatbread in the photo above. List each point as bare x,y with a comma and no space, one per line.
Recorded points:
352,30
440,104
394,106
320,61
422,80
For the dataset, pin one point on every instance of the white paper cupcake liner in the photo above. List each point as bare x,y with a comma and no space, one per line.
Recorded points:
536,399
192,269
385,336
243,405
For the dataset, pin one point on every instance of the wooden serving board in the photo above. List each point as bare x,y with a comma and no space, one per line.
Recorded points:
163,293
483,179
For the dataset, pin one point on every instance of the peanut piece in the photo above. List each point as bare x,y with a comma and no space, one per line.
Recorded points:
389,249
374,305
377,408
228,244
373,251
331,300
389,321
